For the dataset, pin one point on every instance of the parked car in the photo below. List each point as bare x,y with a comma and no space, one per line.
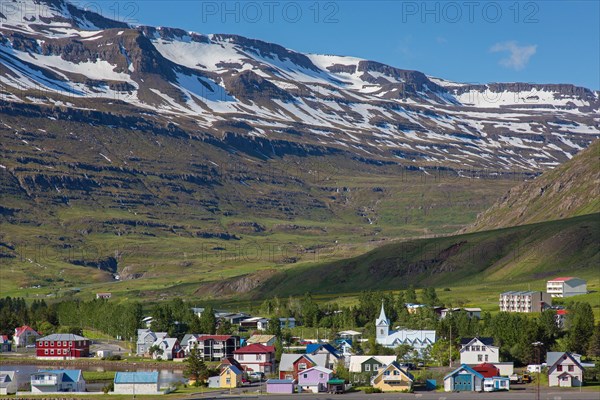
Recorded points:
256,376
531,368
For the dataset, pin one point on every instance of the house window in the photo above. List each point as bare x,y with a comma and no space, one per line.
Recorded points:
396,372
52,343
65,343
482,348
375,367
228,381
381,331
321,376
479,358
241,357
259,357
559,368
571,368
51,351
305,376
302,366
486,357
368,367
46,351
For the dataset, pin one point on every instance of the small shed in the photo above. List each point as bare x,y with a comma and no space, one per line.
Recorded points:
134,383
336,386
104,353
214,382
286,386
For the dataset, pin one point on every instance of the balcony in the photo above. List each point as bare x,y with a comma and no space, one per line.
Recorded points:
44,381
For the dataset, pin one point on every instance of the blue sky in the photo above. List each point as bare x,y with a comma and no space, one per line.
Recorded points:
467,41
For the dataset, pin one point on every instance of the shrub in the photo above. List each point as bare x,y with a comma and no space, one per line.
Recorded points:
370,390
108,387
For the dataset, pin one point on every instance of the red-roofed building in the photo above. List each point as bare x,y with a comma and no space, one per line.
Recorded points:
25,335
215,347
487,370
256,358
566,286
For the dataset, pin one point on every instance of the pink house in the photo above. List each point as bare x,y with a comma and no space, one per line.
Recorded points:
314,379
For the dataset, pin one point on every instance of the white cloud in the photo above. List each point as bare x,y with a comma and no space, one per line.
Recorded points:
518,55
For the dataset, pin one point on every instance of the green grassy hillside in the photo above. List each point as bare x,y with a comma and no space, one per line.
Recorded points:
571,189
517,257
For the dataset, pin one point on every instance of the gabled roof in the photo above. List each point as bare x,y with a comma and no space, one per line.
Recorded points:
562,279
255,348
68,375
395,365
552,356
488,341
136,377
357,361
487,370
22,329
320,369
288,360
233,369
230,361
7,376
464,367
4,338
314,347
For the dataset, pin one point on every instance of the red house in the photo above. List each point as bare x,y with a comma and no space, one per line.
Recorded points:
292,364
62,346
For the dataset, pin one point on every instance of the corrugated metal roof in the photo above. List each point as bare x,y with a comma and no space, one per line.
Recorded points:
136,377
61,336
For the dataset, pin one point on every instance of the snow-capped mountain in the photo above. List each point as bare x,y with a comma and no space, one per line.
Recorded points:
55,54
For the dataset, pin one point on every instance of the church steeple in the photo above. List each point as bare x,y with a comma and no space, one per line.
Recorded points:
382,326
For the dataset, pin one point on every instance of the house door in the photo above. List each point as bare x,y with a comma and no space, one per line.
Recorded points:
462,383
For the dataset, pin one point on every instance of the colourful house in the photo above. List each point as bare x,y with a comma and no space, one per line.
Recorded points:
314,379
5,344
25,335
564,370
393,378
487,370
286,386
463,379
230,378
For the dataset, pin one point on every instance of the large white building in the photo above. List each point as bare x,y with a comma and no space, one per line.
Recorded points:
566,286
419,339
524,301
479,350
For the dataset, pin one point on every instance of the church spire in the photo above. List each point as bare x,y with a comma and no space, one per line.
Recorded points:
382,320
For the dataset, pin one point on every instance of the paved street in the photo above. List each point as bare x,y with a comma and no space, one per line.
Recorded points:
547,394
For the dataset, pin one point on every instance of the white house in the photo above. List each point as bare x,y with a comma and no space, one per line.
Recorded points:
564,370
57,380
25,335
419,339
146,338
479,350
566,286
134,383
8,383
169,349
256,358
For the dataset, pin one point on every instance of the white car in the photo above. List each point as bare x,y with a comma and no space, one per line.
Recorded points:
532,368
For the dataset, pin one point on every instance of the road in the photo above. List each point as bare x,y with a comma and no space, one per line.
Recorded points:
546,394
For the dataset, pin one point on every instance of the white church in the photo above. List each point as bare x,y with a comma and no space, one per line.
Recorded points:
419,339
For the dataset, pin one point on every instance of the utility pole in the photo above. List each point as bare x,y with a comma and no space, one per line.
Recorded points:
537,346
450,347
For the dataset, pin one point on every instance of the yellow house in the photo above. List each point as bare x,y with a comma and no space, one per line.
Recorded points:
231,377
393,379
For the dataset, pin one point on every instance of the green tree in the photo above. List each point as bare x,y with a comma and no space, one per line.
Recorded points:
441,351
224,328
410,295
402,351
278,350
594,346
430,297
208,322
580,324
274,327
195,368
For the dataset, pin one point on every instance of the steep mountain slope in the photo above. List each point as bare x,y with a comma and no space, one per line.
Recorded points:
159,160
508,257
226,83
569,190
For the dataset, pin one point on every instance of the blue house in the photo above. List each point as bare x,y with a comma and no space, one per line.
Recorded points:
320,348
463,379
